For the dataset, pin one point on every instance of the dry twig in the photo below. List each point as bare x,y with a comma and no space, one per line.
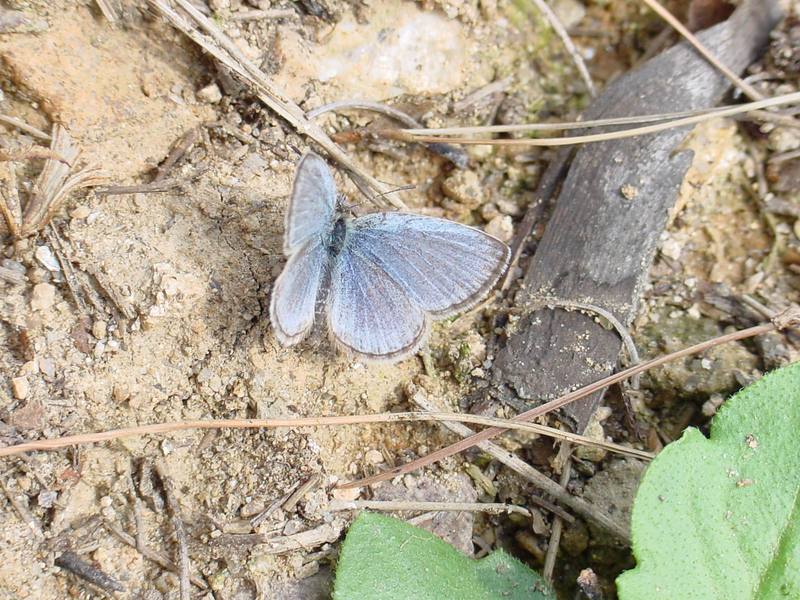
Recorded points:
295,497
180,148
498,86
561,31
558,524
274,505
454,154
269,13
311,538
160,185
66,267
77,566
109,10
438,135
180,533
402,417
491,508
23,126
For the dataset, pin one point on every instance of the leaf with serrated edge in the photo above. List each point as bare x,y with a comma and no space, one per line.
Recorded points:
719,518
384,558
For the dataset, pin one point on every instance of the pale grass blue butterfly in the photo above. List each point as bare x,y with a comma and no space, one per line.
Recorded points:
379,279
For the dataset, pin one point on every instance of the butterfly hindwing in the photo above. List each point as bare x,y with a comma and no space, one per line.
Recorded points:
294,297
369,314
443,266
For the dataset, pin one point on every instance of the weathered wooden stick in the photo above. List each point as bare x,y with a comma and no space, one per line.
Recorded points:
599,244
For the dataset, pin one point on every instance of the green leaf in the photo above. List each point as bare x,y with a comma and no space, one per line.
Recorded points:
383,558
719,518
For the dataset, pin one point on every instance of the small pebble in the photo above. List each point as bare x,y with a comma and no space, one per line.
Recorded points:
293,526
252,508
47,498
465,188
346,494
508,207
374,457
210,94
711,405
120,393
167,447
105,501
671,249
47,366
43,296
29,368
46,258
569,12
99,329
219,5
629,191
489,211
501,227
81,212
171,286
20,387
13,264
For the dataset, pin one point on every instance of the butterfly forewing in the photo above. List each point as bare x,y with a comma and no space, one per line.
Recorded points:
369,313
294,296
443,266
313,203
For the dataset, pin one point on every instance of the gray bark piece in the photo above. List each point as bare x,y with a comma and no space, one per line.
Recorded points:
598,245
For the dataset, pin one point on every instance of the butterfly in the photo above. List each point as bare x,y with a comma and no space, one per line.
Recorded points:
378,280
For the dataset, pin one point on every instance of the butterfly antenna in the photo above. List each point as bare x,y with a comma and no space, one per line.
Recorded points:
403,188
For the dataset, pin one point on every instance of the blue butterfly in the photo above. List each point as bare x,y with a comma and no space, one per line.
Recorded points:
378,279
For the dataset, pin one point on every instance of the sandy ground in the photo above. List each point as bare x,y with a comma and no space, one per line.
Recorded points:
170,317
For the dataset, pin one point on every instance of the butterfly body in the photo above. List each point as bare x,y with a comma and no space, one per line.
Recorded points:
380,278
336,240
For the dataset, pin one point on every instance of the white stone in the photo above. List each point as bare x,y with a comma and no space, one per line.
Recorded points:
398,49
501,227
374,457
210,94
47,366
46,258
671,248
43,296
80,212
569,12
